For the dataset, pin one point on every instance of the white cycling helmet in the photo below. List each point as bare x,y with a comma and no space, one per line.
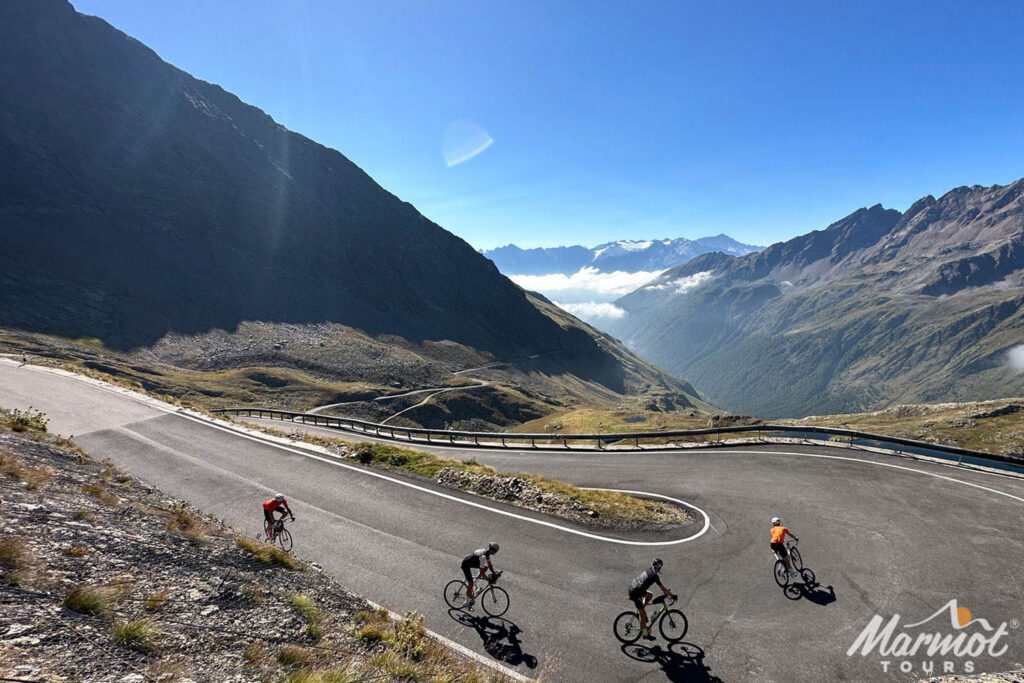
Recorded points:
776,520
279,497
492,546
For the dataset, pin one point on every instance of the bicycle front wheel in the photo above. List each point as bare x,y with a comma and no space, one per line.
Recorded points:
781,575
673,625
455,594
284,539
796,560
627,627
495,601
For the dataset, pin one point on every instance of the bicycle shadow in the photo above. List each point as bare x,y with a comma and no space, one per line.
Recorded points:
500,637
809,589
681,662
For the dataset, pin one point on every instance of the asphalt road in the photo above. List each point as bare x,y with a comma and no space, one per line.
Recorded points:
888,535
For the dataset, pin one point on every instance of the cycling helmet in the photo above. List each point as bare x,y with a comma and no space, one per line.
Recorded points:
279,497
776,520
657,563
492,546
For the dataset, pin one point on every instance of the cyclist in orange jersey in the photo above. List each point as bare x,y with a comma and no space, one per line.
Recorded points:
778,544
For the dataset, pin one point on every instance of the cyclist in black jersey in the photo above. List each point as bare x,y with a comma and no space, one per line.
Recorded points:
480,560
640,595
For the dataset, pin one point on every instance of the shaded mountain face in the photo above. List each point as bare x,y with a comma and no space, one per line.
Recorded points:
879,308
625,255
136,201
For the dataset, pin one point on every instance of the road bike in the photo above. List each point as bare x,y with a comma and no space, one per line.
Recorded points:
672,623
797,562
280,535
493,598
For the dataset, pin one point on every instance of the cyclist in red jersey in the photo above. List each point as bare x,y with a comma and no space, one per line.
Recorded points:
275,504
778,544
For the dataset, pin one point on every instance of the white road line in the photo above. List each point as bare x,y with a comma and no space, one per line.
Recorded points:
423,489
880,464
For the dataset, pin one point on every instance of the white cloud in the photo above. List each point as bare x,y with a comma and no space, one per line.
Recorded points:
684,284
589,310
463,140
586,285
1015,358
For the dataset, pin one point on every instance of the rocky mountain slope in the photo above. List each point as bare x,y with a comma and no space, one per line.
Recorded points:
880,308
623,255
138,203
103,578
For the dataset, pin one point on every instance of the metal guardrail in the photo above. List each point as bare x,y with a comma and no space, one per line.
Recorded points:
653,440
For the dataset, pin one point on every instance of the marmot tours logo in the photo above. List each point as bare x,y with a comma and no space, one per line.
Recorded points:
934,648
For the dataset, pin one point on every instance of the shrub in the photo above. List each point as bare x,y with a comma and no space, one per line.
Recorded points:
83,515
138,634
75,551
24,420
34,477
181,519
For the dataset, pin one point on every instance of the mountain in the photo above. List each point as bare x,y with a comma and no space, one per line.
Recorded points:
137,201
879,308
624,255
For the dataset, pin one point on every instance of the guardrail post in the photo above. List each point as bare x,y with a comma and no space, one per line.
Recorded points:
377,431
428,437
599,446
451,438
565,442
636,442
476,440
503,441
533,442
392,432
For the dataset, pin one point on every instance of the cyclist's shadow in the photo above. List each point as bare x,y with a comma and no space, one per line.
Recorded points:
681,661
810,589
500,637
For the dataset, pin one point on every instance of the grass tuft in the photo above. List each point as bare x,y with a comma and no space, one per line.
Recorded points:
86,599
342,675
75,551
16,560
30,420
155,601
100,492
293,655
269,554
83,515
138,634
34,477
182,520
255,652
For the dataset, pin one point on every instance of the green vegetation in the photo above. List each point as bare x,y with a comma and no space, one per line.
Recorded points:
137,634
269,554
100,492
24,420
86,599
342,675
314,618
600,421
611,507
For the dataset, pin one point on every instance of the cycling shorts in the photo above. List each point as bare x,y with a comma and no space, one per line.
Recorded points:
469,563
781,549
637,598
268,515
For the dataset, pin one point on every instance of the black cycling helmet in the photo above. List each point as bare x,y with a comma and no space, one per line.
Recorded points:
657,563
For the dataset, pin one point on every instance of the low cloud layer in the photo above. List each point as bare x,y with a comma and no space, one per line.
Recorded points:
592,310
1015,358
684,284
587,285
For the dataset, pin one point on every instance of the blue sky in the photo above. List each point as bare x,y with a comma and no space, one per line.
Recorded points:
611,120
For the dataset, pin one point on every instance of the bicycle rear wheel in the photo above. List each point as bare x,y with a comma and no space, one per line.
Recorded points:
284,539
673,625
796,560
627,627
495,601
781,575
455,594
